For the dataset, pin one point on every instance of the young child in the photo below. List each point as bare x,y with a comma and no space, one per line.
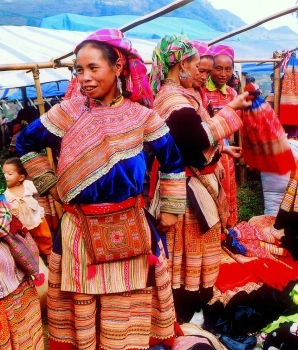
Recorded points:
20,194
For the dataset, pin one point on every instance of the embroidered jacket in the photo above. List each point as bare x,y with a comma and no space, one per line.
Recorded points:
101,155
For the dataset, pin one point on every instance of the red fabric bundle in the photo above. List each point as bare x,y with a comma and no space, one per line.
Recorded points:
234,275
265,146
289,93
273,273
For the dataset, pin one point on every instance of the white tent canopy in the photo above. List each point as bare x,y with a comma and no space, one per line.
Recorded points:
21,44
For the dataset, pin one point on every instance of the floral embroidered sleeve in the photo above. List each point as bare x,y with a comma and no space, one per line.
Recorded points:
30,145
172,188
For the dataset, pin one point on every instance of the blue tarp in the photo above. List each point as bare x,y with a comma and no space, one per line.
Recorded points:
154,29
52,89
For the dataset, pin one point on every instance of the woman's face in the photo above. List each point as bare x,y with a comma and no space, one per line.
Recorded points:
192,67
222,70
205,68
95,74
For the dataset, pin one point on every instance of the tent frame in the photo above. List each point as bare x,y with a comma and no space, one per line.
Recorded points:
57,62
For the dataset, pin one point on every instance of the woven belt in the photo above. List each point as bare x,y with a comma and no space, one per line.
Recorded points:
104,208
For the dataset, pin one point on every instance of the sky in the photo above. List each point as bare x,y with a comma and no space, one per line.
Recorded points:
255,10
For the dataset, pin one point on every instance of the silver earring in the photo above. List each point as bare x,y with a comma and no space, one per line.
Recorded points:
119,84
183,75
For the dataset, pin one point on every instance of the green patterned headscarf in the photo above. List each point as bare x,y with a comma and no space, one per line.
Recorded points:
171,50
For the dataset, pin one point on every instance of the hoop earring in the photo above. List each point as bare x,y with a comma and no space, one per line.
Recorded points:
119,84
183,75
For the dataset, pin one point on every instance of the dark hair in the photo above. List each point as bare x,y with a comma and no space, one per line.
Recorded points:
16,161
110,54
28,114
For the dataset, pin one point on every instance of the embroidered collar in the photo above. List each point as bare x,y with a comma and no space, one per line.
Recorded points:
210,85
168,81
116,101
93,101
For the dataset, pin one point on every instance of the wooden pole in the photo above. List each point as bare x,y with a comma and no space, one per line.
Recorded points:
35,72
253,25
29,66
41,108
277,88
158,13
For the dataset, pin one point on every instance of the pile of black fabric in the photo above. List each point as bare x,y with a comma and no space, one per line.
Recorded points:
282,338
289,222
245,315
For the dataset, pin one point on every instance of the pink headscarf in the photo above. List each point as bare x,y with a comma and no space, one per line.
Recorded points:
222,50
202,48
139,85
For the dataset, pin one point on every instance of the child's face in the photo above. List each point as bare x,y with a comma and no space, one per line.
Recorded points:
12,177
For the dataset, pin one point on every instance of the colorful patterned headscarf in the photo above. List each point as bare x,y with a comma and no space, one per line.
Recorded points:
171,50
202,48
222,50
137,82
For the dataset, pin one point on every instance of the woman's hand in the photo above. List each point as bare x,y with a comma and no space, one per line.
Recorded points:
241,101
233,151
166,221
220,171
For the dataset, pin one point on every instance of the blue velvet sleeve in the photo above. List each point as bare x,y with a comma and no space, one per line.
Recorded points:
35,138
168,154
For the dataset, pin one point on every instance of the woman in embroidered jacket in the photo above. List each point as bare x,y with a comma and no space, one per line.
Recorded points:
194,243
220,94
101,290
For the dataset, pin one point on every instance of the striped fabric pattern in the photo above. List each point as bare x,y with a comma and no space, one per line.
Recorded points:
112,277
289,93
121,325
225,297
223,126
39,171
194,258
10,276
173,97
264,142
265,224
203,197
172,193
20,320
290,200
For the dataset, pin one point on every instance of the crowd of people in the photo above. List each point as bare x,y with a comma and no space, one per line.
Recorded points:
124,272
